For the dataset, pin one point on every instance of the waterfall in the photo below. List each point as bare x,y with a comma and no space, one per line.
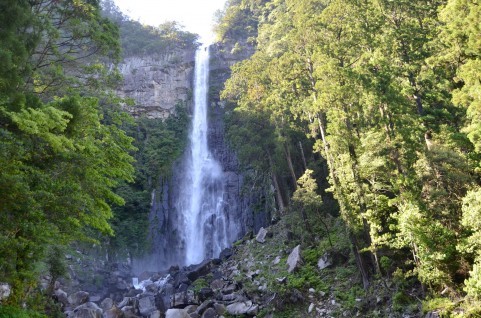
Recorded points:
201,204
199,210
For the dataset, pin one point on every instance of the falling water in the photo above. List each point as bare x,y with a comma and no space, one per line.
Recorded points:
201,204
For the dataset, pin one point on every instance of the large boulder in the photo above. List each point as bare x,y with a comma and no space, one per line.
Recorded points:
107,304
183,299
176,313
61,297
261,235
241,308
147,305
87,310
294,260
202,269
210,313
79,298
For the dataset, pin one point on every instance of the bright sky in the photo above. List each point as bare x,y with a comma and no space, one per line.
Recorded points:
196,15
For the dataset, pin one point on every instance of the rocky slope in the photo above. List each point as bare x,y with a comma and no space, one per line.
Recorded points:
261,276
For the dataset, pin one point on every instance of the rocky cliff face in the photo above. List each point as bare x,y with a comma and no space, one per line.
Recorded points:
245,200
157,83
167,246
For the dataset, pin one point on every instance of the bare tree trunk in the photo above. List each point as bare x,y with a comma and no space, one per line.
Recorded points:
302,154
280,200
359,260
291,166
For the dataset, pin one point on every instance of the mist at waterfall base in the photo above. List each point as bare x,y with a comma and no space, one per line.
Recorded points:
196,223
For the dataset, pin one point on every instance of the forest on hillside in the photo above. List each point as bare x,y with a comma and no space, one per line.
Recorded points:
379,101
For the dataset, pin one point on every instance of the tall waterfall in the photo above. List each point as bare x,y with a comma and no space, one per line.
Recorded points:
201,204
200,209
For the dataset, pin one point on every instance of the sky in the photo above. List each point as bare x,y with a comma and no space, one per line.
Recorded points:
195,15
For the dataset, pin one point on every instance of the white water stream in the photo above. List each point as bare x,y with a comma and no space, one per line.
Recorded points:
202,205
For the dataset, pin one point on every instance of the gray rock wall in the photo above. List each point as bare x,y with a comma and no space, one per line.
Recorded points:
156,83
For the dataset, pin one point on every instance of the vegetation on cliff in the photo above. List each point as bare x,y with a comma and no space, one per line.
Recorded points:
140,40
381,99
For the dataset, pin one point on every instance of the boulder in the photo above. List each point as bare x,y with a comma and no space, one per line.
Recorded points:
202,269
129,311
87,310
210,313
79,298
294,260
181,278
205,293
5,291
107,304
229,289
241,308
217,284
151,287
147,305
182,300
191,308
155,314
331,258
311,308
176,313
219,308
113,312
206,304
324,262
127,301
261,235
432,314
61,297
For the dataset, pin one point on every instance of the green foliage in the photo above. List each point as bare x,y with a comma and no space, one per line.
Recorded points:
238,19
56,265
138,39
401,301
159,143
473,283
307,277
389,91
198,284
15,312
62,151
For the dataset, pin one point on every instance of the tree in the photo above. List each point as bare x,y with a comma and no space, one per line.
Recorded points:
61,156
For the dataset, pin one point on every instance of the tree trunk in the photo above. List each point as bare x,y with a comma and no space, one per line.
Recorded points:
359,261
291,166
303,156
280,201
